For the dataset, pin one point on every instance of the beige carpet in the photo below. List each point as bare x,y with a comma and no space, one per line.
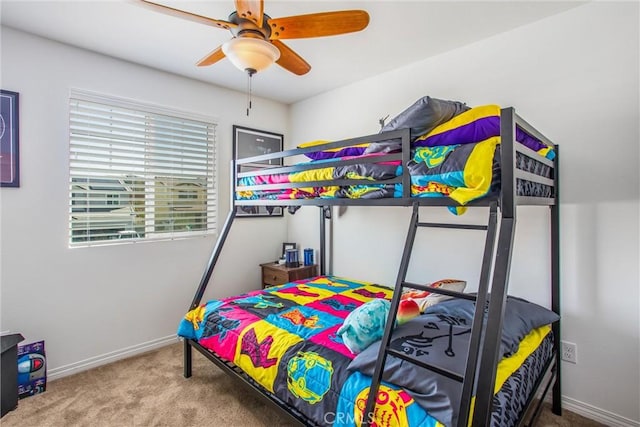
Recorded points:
149,390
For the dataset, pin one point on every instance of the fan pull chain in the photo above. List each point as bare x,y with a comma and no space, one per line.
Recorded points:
250,73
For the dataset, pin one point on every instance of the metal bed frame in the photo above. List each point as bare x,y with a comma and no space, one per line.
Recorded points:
483,356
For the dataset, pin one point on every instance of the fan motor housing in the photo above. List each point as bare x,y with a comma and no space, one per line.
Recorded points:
247,28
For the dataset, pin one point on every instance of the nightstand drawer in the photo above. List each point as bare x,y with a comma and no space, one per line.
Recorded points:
272,276
278,274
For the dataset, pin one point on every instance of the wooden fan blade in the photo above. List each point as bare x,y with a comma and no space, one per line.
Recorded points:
318,24
291,61
252,10
186,15
213,57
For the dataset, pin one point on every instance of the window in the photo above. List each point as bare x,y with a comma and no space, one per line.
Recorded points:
138,172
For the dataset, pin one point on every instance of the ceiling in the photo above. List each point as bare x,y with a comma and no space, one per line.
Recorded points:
399,33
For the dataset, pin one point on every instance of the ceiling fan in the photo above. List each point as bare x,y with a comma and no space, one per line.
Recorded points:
257,38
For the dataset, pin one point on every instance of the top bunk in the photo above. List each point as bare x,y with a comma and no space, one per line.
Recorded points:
435,153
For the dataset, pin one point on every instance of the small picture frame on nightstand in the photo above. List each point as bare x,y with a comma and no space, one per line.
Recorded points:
286,246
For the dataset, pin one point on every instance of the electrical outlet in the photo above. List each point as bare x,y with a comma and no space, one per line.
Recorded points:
569,352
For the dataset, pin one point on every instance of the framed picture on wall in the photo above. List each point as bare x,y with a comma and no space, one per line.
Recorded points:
9,142
249,142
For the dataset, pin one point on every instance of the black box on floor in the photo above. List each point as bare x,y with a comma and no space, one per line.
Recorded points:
9,366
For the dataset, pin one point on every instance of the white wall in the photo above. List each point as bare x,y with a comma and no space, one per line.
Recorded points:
89,304
575,77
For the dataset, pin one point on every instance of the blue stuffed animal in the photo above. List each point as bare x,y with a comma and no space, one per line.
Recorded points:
364,325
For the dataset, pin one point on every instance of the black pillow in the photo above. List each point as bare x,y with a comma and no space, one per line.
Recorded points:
422,117
520,318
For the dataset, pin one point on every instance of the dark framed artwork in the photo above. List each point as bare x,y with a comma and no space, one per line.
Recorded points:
249,142
9,141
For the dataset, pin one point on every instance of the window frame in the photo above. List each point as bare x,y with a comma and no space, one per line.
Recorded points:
212,193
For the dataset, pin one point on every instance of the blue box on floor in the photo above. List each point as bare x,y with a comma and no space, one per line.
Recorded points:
32,369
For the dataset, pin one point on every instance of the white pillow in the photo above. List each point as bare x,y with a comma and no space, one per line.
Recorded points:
433,298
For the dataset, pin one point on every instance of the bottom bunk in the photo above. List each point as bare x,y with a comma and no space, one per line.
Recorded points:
302,346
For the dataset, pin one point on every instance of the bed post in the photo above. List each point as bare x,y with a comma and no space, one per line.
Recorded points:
205,281
555,282
478,318
215,254
500,280
323,242
187,358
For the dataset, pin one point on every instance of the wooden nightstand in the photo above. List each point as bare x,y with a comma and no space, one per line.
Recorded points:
277,274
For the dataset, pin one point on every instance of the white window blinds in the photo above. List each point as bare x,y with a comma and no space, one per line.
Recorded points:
138,173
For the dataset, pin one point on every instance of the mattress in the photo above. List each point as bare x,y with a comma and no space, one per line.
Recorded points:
285,338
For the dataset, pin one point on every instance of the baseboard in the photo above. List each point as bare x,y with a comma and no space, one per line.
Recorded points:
103,359
593,413
600,415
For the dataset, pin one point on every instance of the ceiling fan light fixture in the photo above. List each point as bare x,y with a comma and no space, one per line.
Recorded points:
250,54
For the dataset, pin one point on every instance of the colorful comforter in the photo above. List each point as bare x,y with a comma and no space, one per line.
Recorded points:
455,159
285,338
462,172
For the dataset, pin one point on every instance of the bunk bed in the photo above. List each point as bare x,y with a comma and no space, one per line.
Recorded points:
384,384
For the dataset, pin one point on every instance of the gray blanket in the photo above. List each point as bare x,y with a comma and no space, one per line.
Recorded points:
441,337
434,339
